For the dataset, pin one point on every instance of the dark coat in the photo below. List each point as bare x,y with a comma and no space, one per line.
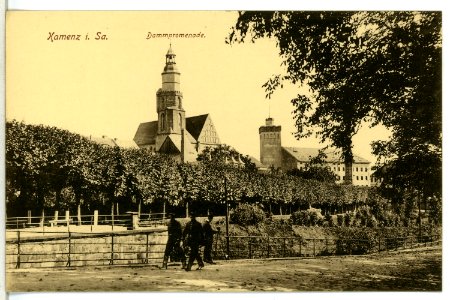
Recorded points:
174,230
208,231
193,233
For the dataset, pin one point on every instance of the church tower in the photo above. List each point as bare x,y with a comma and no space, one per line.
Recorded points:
270,144
170,135
169,99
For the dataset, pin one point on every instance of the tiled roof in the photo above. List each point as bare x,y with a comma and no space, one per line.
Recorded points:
104,140
169,146
305,154
146,133
256,162
125,143
194,125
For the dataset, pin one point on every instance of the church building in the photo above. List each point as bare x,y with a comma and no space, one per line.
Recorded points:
173,133
273,155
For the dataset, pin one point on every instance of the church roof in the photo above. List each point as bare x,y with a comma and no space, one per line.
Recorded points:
146,133
125,143
170,51
112,142
169,146
194,125
104,140
257,163
305,154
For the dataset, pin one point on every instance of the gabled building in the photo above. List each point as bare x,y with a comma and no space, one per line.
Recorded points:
173,133
273,155
113,142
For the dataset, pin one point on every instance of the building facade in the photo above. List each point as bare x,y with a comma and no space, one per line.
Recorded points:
173,133
274,155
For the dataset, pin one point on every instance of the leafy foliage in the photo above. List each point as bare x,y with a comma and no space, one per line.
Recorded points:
315,169
376,67
310,217
246,214
71,170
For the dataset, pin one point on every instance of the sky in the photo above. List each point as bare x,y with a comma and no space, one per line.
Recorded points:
108,86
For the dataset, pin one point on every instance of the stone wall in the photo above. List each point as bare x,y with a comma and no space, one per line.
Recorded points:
128,247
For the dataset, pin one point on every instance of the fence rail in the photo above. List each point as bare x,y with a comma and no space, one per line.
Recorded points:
145,220
124,248
273,247
81,249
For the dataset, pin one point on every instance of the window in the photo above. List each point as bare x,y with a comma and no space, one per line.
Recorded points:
366,177
356,169
162,121
339,168
357,177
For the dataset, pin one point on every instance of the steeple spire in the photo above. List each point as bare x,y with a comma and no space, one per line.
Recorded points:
170,58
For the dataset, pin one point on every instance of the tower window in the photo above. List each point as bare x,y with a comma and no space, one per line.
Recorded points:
162,121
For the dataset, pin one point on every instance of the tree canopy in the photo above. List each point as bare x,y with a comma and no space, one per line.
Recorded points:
375,67
51,169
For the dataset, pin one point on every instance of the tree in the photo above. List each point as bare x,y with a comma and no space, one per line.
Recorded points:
359,66
410,163
316,169
225,155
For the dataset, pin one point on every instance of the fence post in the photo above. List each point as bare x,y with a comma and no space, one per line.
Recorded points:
268,247
42,223
42,219
111,261
68,260
67,212
18,250
314,247
146,249
300,243
55,218
29,216
79,215
95,217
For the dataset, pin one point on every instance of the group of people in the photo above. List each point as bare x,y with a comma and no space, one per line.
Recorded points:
194,236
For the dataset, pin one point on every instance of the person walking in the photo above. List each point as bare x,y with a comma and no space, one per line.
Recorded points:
192,240
173,243
209,238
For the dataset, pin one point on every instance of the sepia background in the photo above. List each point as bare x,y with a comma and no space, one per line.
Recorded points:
108,87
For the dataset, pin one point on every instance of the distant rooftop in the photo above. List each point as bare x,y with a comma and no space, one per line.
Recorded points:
112,142
306,154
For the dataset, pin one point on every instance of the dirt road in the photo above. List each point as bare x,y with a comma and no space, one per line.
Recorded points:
419,270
